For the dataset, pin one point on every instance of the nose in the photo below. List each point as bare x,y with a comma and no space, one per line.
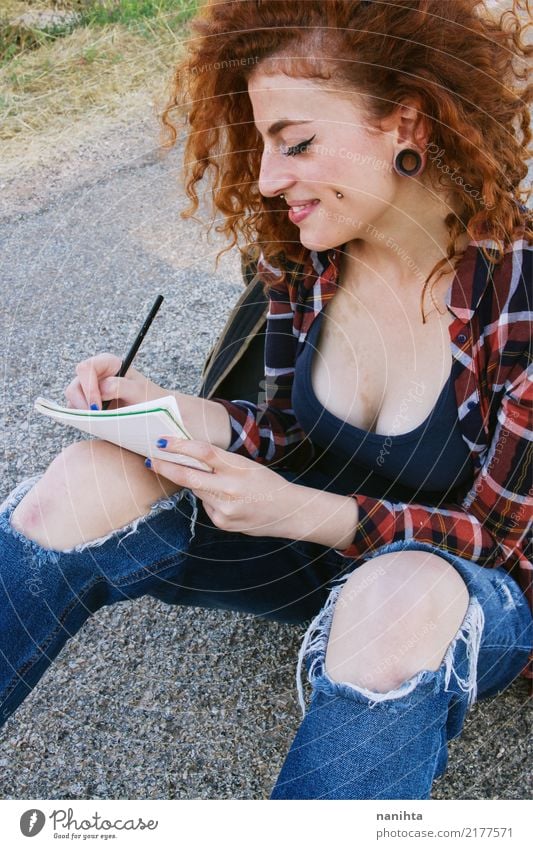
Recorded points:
275,172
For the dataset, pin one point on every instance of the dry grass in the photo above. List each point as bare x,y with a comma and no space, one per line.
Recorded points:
53,95
13,8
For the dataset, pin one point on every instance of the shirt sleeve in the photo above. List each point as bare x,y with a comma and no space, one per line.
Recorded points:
494,517
268,431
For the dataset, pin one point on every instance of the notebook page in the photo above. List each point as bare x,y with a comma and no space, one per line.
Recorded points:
136,427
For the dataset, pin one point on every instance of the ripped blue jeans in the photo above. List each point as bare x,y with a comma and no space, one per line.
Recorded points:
352,743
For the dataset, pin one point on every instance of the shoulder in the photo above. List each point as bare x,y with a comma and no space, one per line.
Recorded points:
507,320
508,298
282,278
514,274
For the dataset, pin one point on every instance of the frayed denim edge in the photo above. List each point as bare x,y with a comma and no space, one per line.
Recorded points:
315,643
167,503
10,501
15,496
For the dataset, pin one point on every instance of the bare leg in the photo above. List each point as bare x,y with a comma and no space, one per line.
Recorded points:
395,615
90,489
393,660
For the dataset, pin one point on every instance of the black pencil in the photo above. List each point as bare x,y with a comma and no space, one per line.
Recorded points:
128,359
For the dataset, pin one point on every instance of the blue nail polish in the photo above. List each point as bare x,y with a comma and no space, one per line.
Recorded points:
162,443
94,407
148,463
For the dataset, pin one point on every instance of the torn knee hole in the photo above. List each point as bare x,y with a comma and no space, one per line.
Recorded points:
166,503
314,645
23,532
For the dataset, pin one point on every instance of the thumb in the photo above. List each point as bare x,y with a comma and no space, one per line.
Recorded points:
121,388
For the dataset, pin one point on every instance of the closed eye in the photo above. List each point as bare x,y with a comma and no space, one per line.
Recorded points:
301,147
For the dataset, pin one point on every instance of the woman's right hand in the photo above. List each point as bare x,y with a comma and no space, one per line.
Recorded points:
95,382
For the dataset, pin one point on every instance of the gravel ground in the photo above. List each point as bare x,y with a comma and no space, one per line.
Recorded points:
150,701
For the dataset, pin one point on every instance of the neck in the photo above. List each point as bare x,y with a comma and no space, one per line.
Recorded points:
402,246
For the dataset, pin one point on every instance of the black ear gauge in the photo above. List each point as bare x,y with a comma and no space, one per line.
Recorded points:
408,162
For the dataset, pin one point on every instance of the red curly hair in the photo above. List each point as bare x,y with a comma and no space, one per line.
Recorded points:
467,68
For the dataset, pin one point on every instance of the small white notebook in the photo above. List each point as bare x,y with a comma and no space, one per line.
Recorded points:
136,427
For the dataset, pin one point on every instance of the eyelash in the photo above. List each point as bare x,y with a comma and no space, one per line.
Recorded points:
301,147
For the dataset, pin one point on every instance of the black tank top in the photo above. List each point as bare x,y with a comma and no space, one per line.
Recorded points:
426,464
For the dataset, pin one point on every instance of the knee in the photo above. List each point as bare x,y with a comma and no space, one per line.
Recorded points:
395,615
91,487
89,466
72,476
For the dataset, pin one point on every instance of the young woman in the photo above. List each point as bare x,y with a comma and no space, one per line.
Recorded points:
381,485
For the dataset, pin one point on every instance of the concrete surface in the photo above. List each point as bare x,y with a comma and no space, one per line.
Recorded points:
147,700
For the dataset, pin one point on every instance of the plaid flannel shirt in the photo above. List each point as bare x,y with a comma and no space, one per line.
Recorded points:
492,376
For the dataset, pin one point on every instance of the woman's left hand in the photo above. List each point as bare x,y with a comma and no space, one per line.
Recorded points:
244,496
238,495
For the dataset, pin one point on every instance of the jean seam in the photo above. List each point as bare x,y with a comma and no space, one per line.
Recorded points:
80,597
42,647
143,571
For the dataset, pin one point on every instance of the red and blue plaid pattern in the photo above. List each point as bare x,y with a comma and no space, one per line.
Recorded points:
492,375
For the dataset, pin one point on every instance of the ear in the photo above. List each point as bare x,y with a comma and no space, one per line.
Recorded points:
407,123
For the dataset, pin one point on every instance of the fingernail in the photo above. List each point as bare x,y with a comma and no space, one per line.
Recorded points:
162,443
148,463
94,407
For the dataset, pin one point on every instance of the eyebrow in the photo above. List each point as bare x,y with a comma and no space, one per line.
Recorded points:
278,126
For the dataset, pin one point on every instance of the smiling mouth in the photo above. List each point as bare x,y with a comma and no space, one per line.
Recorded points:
304,205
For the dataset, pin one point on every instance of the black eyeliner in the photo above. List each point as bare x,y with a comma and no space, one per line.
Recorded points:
298,148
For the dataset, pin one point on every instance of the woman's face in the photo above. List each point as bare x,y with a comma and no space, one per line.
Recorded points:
333,150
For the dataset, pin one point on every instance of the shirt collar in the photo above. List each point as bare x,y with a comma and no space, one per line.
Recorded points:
471,279
465,292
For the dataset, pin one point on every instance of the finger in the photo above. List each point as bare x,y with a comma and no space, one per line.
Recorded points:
88,378
75,396
92,371
105,364
207,453
194,479
120,388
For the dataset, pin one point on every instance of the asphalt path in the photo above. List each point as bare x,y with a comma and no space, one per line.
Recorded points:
150,700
